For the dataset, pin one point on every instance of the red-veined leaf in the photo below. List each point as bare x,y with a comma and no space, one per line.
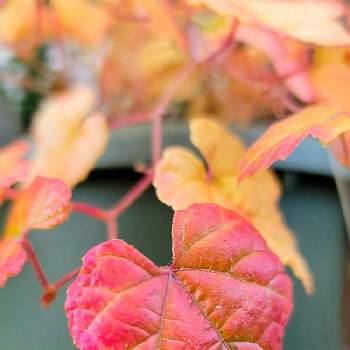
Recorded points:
279,141
224,290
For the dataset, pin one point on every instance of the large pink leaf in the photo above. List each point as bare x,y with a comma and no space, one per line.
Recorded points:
224,290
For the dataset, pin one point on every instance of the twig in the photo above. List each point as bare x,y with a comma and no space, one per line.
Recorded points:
132,195
33,258
90,210
112,231
157,114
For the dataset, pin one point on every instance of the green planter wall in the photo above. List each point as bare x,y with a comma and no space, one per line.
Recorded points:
312,210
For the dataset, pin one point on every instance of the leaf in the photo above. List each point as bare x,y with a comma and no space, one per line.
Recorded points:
69,136
317,22
90,32
44,204
181,179
236,297
13,166
332,86
12,259
331,83
288,57
279,141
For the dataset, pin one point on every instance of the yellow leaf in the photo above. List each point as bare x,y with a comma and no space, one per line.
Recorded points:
181,179
332,85
69,136
25,23
317,22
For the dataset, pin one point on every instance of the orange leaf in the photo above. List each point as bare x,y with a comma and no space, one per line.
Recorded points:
181,179
279,141
69,136
42,205
318,22
25,24
224,290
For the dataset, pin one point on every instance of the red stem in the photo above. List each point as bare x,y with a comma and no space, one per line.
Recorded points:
129,120
33,258
90,210
112,228
132,195
157,114
64,279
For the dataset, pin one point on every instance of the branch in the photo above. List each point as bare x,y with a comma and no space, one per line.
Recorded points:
90,210
34,260
50,293
157,114
132,195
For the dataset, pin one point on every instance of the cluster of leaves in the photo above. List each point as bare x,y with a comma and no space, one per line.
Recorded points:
131,62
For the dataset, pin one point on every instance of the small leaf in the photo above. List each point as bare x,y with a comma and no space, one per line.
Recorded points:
181,179
279,141
12,259
69,136
44,204
235,297
13,166
313,22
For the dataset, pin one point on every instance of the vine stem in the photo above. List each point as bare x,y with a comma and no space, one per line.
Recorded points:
34,260
112,231
90,210
132,195
64,279
157,114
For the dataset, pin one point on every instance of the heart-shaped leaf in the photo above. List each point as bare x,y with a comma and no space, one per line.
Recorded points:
224,290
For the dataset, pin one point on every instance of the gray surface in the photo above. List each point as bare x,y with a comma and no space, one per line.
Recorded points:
312,210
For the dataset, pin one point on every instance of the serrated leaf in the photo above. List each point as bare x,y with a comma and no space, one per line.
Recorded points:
42,205
317,22
69,136
319,121
12,259
236,297
181,179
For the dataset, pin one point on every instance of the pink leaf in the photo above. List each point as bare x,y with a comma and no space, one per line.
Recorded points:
224,290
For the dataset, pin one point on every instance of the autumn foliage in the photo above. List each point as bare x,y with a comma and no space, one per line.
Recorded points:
100,66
